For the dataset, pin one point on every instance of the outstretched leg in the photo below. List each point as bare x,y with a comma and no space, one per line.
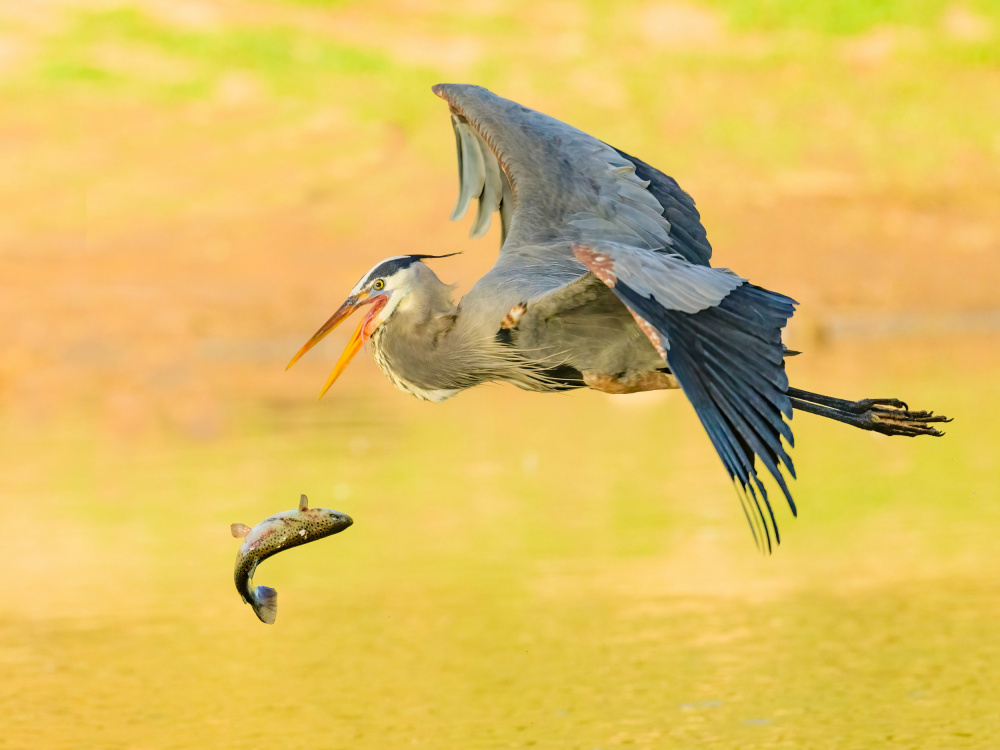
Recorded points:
889,416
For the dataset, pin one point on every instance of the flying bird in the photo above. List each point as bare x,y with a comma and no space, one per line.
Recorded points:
603,281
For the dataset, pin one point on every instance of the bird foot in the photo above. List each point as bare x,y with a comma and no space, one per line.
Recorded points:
890,416
512,318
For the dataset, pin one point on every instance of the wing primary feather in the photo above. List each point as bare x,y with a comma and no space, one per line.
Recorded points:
489,201
751,487
723,436
506,209
459,210
473,170
759,418
760,514
738,418
746,475
765,383
741,494
685,238
715,423
760,392
763,521
678,209
749,343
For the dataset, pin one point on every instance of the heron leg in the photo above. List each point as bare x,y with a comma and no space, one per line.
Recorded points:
888,416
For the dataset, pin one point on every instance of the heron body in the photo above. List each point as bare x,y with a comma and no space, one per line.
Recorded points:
603,281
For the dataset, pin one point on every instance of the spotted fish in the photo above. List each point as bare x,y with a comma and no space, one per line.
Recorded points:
274,535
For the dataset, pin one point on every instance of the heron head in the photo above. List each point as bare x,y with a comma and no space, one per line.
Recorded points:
381,290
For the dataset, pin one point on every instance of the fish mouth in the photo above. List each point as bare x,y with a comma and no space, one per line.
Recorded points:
341,521
358,338
334,521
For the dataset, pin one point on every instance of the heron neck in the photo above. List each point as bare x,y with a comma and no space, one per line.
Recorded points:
413,344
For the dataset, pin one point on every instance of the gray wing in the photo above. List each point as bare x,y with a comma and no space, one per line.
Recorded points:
721,338
550,181
553,185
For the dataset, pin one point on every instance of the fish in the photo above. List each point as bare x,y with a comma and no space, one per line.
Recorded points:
291,528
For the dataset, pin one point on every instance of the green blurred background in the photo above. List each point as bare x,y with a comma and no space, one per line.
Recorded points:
190,187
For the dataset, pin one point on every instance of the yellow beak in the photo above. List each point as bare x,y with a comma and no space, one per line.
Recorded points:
357,340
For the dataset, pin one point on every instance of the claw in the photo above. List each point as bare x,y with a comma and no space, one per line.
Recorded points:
895,421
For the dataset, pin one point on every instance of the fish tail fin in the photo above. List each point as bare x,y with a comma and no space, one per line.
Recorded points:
265,604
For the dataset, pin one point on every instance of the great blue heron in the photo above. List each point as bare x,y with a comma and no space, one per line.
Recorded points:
603,281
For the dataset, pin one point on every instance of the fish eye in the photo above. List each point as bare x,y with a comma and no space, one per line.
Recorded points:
379,285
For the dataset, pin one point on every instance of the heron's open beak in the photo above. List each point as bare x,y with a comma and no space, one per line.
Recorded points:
358,338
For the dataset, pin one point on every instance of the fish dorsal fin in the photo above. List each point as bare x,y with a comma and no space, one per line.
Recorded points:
239,530
303,503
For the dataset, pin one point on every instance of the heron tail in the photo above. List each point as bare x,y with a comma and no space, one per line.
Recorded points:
888,416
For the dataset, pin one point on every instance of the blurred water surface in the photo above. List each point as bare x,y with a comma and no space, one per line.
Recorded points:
559,571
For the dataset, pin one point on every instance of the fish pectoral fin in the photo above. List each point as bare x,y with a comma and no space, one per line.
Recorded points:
239,530
265,605
303,503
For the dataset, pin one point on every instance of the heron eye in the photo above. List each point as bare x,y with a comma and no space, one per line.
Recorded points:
379,285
